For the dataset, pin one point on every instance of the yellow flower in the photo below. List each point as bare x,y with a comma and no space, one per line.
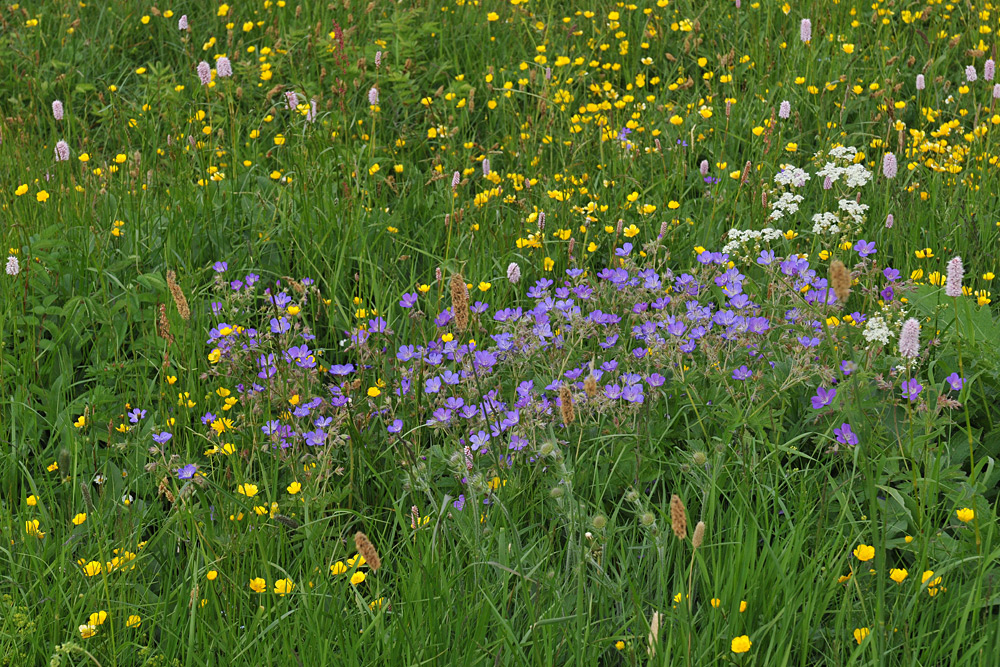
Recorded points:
211,575
52,467
294,488
258,585
743,606
32,501
283,586
79,518
716,602
133,621
741,644
848,48
965,515
31,527
42,195
485,286
357,578
492,16
898,575
98,618
87,631
374,392
81,421
21,189
860,634
620,645
864,552
338,568
791,147
92,569
248,490
631,231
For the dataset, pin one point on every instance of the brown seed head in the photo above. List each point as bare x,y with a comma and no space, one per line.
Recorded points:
590,386
840,280
699,535
459,301
367,551
566,404
178,294
163,325
678,519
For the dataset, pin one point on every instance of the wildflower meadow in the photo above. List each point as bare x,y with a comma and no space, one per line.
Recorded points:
499,332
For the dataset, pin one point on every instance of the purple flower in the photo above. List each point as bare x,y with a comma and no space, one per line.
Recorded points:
62,151
823,398
988,69
373,96
341,369
161,438
920,82
912,389
409,300
460,503
204,73
220,267
742,373
135,415
805,30
865,248
395,427
223,67
187,472
784,109
955,381
891,274
182,24
57,110
478,440
889,165
845,435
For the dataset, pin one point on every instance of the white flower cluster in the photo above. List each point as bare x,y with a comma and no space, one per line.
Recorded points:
793,176
787,204
739,238
855,174
844,153
877,331
826,223
853,209
13,266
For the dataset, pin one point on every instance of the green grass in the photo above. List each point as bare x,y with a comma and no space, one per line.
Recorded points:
574,548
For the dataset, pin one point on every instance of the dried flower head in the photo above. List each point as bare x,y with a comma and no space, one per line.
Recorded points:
367,551
590,386
840,280
163,325
699,534
459,301
678,517
178,294
566,404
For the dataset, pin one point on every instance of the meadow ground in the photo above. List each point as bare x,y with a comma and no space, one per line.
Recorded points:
499,333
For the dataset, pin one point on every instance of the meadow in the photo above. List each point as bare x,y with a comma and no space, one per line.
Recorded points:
499,332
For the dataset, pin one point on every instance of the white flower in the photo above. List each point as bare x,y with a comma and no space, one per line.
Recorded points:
791,176
830,170
876,330
853,209
787,204
844,153
857,176
513,273
826,223
13,266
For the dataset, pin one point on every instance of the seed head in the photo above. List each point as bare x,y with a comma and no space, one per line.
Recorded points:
566,405
590,386
459,301
178,294
367,551
699,535
840,279
678,518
